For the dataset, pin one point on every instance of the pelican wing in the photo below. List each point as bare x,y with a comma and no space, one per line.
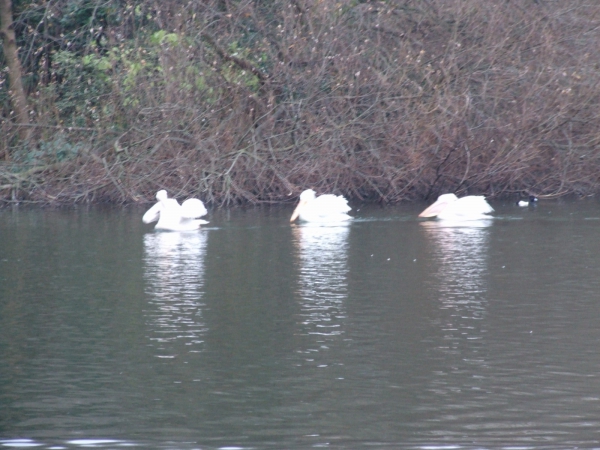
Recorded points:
472,206
474,203
328,204
192,208
326,208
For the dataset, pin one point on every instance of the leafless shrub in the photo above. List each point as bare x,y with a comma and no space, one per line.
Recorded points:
251,101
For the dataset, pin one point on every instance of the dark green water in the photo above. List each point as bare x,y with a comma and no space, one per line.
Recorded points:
252,333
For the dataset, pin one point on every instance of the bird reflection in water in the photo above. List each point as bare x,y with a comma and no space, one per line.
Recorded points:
460,250
323,279
174,276
461,373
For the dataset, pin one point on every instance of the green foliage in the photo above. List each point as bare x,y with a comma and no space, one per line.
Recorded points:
162,37
85,82
144,65
60,149
47,152
234,74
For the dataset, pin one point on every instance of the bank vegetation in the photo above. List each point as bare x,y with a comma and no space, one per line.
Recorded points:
253,101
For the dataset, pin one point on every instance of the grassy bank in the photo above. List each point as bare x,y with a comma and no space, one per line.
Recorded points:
251,101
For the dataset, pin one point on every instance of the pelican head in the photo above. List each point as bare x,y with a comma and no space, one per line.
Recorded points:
440,204
306,197
161,195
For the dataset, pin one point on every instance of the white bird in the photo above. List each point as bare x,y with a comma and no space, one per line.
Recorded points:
531,201
325,208
449,206
172,216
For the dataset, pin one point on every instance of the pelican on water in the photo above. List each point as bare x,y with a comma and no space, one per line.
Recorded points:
531,201
324,208
172,216
449,206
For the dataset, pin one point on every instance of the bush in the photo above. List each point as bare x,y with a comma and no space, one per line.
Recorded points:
249,101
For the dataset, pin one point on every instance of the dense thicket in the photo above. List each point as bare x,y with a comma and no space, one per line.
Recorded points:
253,100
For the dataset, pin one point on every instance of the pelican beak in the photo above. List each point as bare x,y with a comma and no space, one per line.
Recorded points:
153,214
434,209
296,212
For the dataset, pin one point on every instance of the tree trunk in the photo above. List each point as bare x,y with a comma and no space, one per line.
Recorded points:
11,53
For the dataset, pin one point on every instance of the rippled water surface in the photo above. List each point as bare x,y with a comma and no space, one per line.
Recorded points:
254,333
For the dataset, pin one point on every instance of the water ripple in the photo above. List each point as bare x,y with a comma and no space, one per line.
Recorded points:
322,280
174,276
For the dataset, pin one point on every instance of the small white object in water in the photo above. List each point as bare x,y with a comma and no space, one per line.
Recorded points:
531,201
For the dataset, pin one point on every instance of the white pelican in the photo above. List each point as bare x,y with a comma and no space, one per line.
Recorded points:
449,206
325,208
531,201
172,216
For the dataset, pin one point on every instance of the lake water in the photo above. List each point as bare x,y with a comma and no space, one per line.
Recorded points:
389,332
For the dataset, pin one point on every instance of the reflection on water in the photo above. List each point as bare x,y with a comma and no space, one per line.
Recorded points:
460,253
174,280
75,443
478,336
323,278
